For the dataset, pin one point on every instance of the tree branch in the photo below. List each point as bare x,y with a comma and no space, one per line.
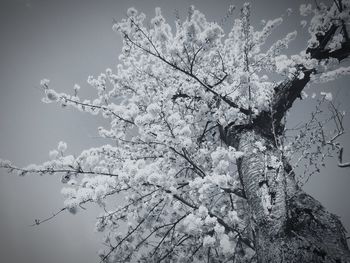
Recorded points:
288,91
157,54
104,258
340,163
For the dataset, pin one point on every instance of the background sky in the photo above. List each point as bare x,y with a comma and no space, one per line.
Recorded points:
66,41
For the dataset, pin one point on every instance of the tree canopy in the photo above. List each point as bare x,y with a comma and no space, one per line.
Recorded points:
175,104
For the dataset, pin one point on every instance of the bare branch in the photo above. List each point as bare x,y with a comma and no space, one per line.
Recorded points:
104,258
340,163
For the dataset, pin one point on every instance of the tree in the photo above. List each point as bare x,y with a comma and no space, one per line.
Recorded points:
202,156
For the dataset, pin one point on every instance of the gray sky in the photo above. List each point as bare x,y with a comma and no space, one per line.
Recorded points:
65,41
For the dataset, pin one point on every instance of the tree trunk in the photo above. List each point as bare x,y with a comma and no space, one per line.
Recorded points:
288,224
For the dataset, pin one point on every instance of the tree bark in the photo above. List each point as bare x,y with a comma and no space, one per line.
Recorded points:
288,224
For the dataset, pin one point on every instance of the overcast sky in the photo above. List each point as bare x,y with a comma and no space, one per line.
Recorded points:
66,41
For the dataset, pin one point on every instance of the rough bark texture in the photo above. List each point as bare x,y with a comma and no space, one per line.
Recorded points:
288,224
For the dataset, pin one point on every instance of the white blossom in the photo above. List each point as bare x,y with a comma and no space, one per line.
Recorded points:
305,9
53,154
62,146
208,241
327,95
